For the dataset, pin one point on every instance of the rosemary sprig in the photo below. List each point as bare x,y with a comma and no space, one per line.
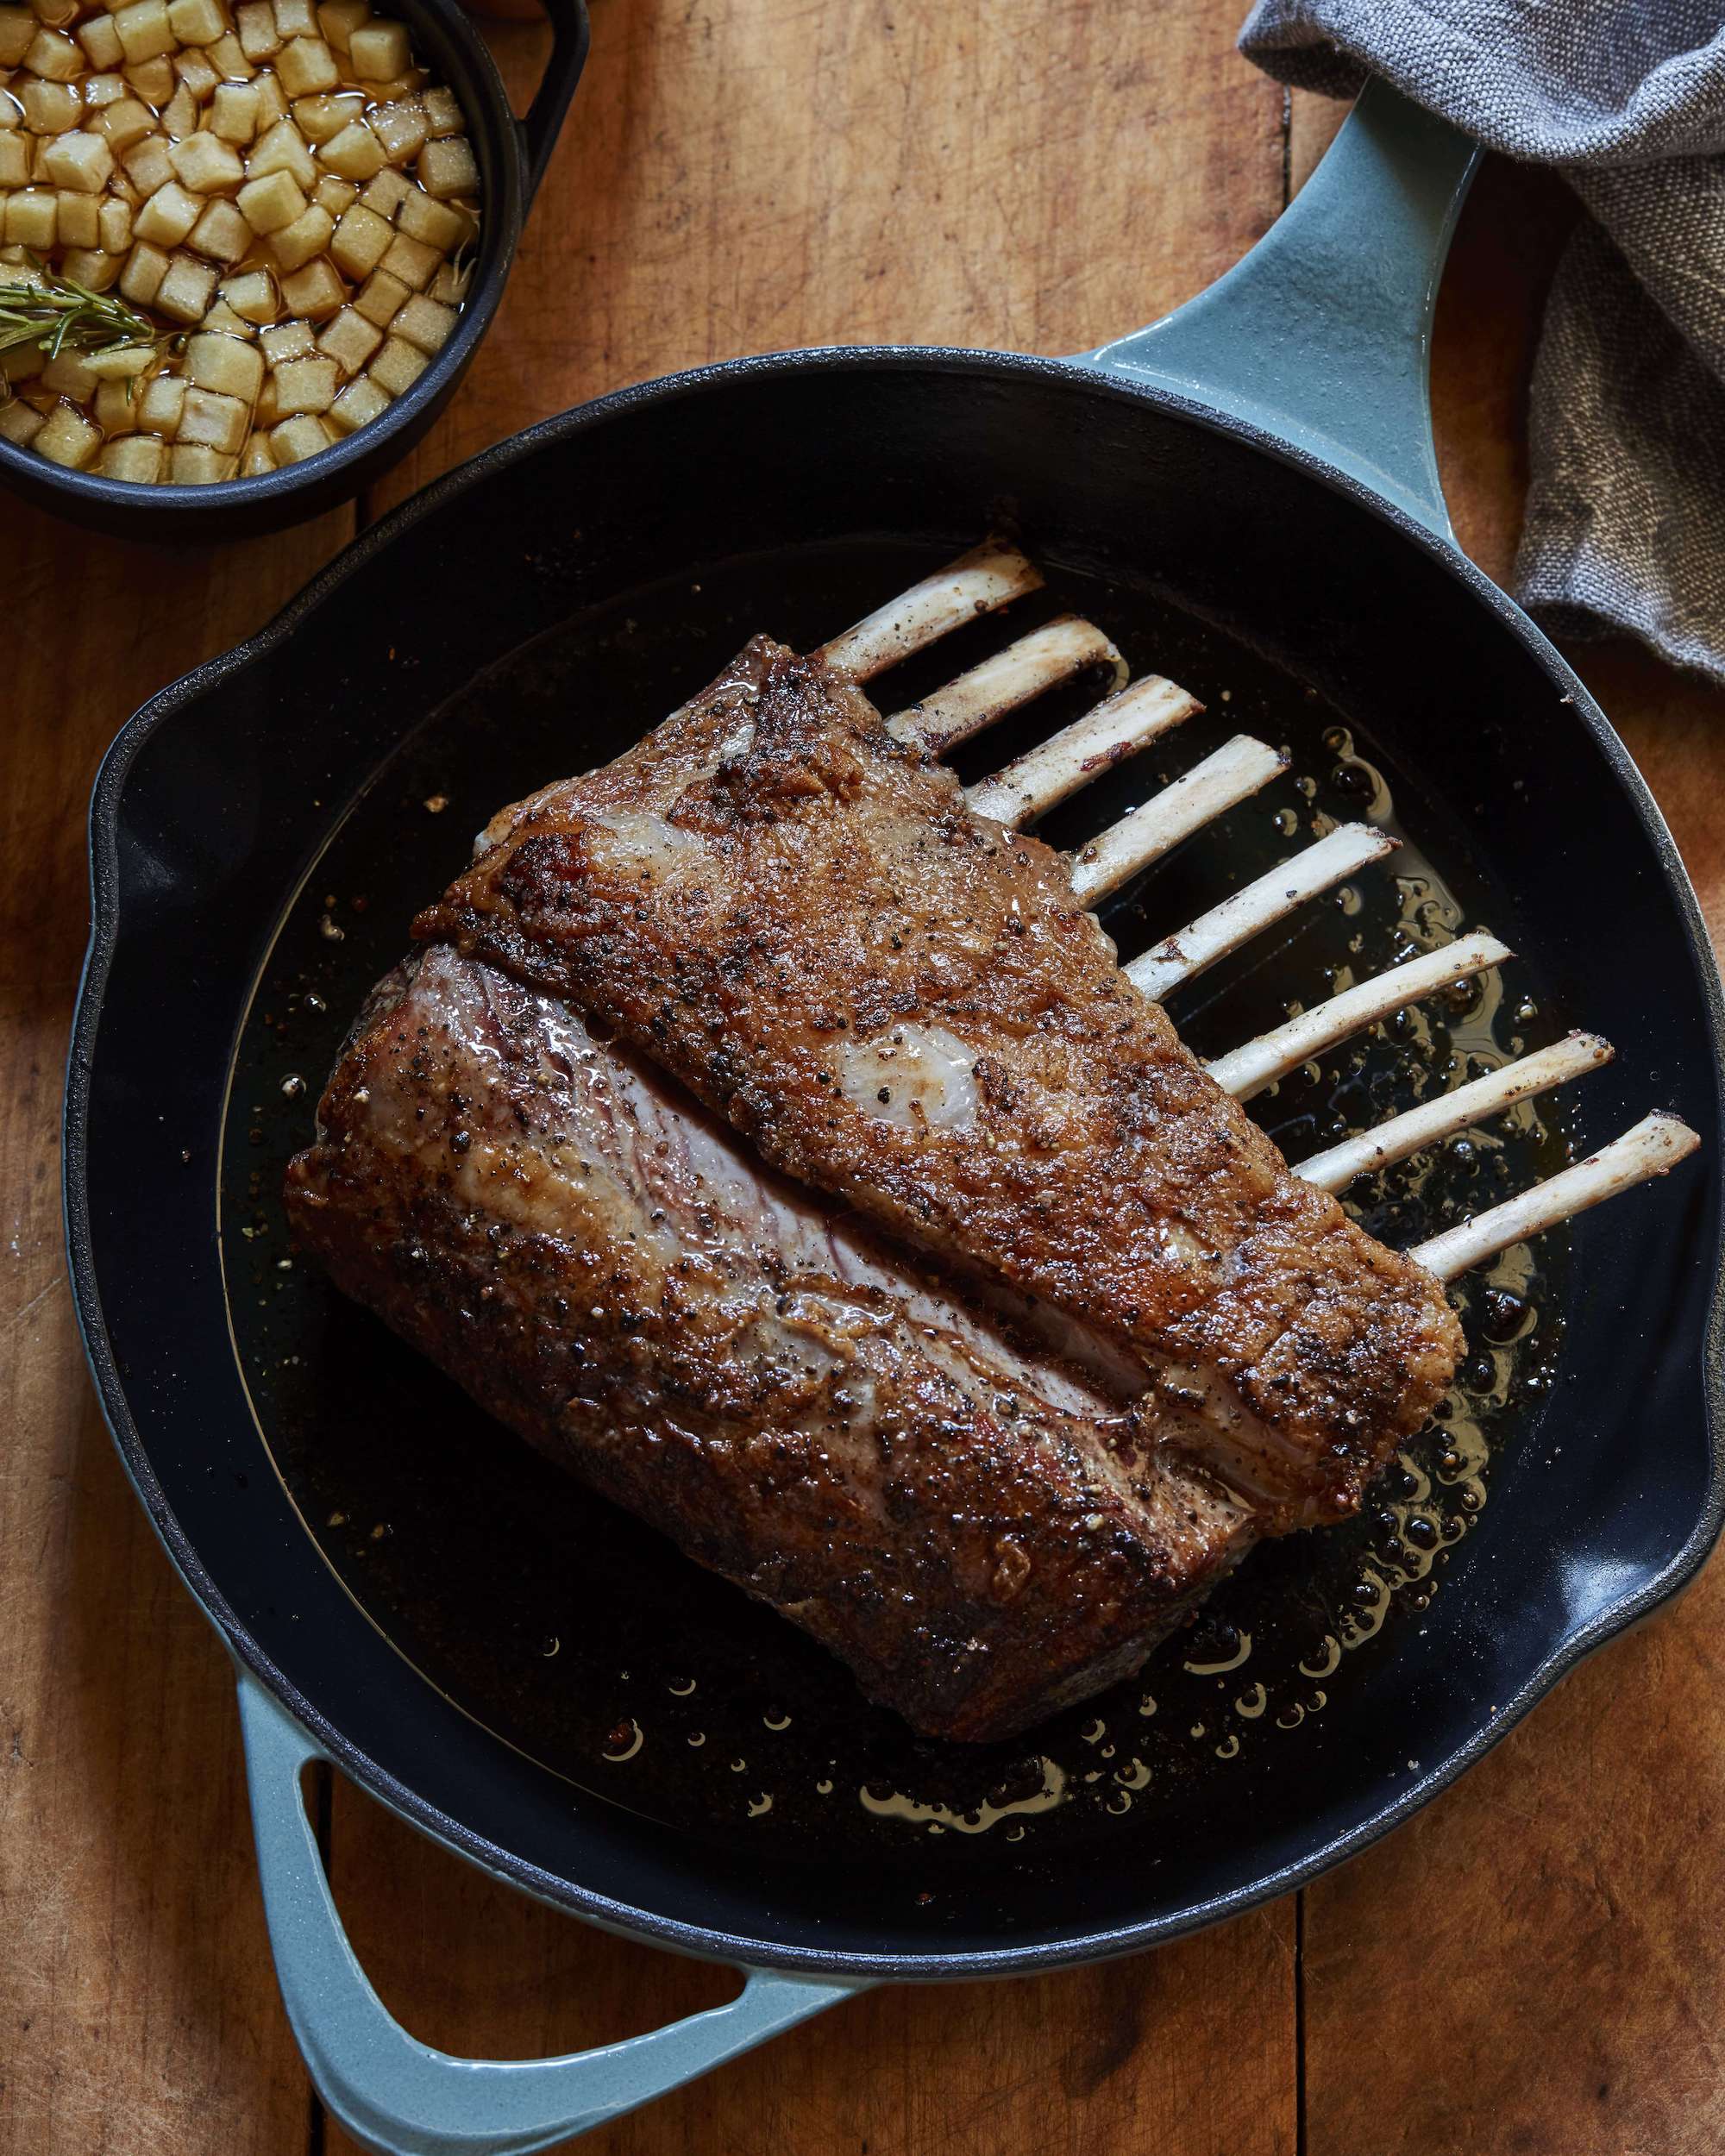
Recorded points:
59,311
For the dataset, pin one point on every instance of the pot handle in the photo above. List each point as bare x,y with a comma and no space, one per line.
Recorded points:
1322,335
570,36
398,2095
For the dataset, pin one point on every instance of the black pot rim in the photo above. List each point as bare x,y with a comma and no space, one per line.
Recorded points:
1604,1624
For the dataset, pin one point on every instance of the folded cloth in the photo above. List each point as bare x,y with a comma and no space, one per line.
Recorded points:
1625,523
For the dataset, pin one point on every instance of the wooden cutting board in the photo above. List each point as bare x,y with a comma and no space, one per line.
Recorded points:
1538,1964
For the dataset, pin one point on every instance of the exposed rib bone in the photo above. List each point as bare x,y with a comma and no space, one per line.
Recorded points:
1245,1071
1240,918
1238,768
1445,1113
1659,1142
1043,776
1024,669
989,577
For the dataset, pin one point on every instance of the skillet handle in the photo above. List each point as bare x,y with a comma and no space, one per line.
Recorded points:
1321,336
570,36
398,2095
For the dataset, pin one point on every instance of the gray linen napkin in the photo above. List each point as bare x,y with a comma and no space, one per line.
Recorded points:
1625,524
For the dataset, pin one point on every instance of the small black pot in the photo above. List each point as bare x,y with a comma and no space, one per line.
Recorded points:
512,155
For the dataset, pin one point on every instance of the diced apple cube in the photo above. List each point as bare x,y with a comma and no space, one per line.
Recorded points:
153,80
446,167
124,123
207,165
20,423
298,438
78,222
137,457
339,19
438,224
377,51
380,298
350,340
256,458
68,438
358,404
104,89
196,464
219,423
315,291
79,162
398,366
265,412
227,54
113,227
296,243
269,203
197,75
144,31
168,216
361,241
221,234
288,341
325,114
158,406
402,130
178,115
49,107
124,366
89,265
112,406
297,18
101,41
14,160
424,324
412,262
22,363
233,113
18,28
147,163
67,375
225,363
444,113
30,218
260,40
387,193
282,149
184,293
336,195
54,57
272,101
252,296
355,152
220,316
306,385
197,21
305,66
141,279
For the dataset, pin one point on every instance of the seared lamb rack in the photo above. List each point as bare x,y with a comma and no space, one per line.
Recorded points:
768,1131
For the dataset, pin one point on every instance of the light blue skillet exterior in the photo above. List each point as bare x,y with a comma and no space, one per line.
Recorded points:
1321,337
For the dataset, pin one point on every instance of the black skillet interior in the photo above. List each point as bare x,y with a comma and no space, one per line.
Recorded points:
483,1644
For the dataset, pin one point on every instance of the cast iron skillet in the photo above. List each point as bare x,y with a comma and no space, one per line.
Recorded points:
1246,493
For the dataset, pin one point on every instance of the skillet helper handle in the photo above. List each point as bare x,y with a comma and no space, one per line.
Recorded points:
398,2095
1322,335
570,36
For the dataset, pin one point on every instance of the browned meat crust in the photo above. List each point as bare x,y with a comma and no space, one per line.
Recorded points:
978,1532
899,1002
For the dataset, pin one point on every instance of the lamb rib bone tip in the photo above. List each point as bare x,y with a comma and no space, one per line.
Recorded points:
1237,769
1248,912
981,582
1247,1070
987,690
1655,1145
1118,727
1446,1113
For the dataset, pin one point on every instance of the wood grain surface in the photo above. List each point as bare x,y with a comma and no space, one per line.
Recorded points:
1538,1964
